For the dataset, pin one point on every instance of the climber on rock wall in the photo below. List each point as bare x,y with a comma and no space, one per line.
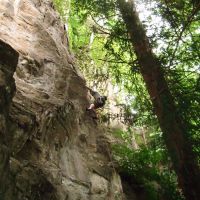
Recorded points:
99,101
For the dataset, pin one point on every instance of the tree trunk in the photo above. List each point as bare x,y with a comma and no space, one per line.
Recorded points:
177,142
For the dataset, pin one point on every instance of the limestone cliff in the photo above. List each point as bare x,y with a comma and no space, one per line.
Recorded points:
50,149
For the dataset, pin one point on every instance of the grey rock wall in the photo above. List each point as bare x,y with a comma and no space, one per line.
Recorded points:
55,150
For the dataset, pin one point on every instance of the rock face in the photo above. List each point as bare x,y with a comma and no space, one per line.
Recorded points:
50,148
8,63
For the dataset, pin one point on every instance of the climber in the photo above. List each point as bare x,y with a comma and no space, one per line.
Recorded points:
99,101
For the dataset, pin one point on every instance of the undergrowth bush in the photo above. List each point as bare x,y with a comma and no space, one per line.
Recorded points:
148,167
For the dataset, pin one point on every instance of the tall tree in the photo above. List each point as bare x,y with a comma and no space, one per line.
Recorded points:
171,123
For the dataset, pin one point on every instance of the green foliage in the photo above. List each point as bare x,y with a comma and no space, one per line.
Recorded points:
110,54
99,39
182,58
62,7
148,168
